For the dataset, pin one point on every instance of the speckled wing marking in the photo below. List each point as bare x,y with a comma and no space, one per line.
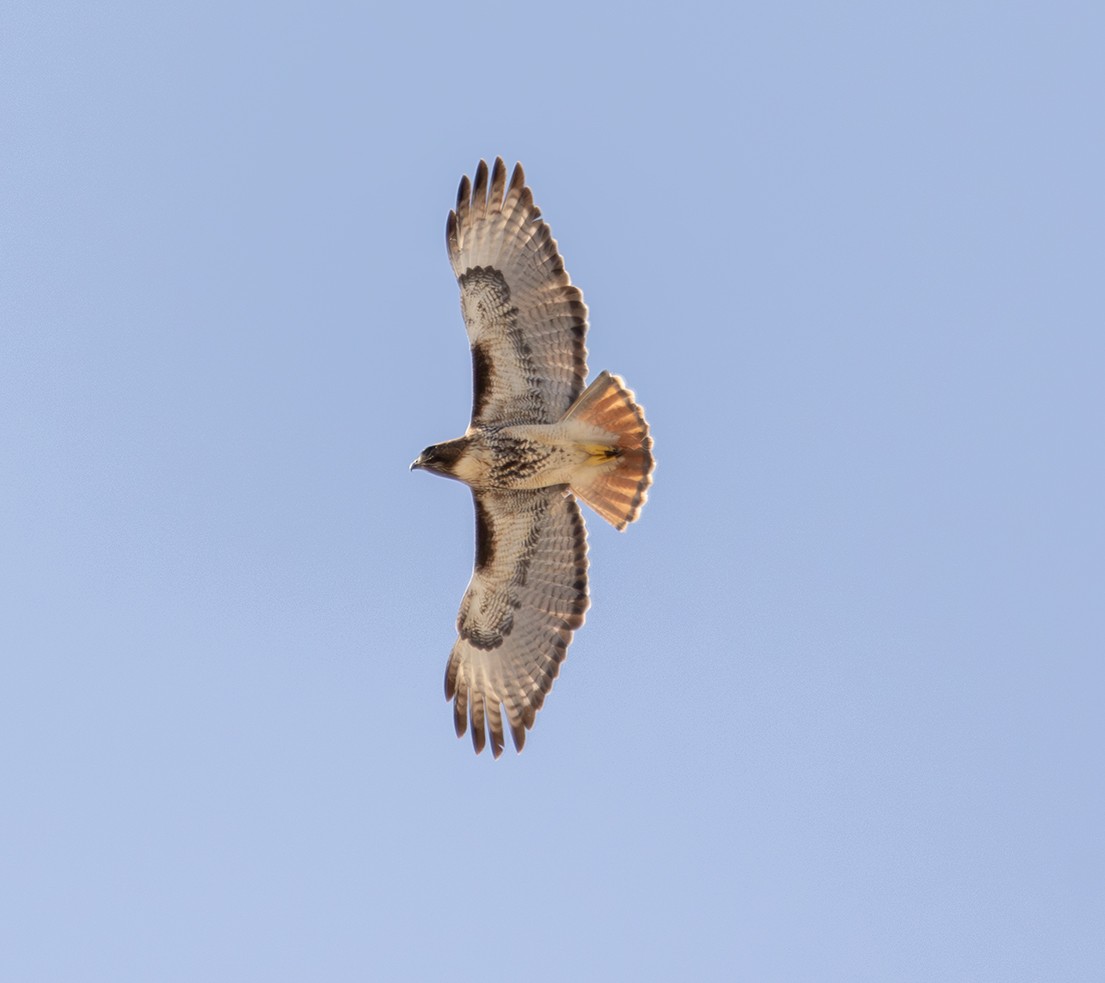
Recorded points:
527,595
526,322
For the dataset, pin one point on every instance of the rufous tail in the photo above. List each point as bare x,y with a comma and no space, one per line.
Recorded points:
615,478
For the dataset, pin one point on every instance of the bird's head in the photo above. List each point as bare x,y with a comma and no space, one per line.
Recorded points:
439,458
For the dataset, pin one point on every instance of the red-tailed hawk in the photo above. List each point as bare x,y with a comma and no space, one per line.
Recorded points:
537,441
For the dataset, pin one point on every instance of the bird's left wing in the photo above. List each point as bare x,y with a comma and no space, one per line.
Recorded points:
526,321
527,595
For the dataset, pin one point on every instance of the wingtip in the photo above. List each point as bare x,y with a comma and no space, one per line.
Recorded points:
518,734
451,239
479,184
498,180
476,711
495,726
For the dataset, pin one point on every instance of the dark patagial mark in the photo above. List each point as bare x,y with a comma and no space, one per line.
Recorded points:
483,375
485,296
485,536
579,539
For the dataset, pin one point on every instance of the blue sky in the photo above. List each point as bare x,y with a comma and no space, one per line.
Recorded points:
836,710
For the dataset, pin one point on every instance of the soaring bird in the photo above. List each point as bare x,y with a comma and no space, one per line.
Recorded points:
537,441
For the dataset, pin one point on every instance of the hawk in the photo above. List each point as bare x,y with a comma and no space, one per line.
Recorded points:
538,441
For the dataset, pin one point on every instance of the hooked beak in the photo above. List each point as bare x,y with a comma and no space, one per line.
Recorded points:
416,464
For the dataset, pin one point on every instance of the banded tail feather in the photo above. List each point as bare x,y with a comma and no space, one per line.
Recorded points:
615,479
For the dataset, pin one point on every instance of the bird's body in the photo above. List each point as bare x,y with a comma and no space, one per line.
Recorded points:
524,456
537,440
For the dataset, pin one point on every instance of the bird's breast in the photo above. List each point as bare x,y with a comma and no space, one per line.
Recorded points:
529,456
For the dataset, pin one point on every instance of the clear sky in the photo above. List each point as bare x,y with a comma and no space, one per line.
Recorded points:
836,713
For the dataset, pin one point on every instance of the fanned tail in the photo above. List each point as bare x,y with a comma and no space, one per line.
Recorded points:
614,480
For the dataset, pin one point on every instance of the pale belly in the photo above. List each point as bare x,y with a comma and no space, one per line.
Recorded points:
531,456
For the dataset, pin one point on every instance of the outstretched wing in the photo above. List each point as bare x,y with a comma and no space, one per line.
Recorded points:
527,595
526,322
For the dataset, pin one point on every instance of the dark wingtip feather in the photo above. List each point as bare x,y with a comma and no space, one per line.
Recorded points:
464,192
498,180
495,725
451,232
459,696
517,178
479,190
518,733
526,201
479,735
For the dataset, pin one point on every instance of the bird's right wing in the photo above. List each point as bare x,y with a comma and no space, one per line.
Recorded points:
527,595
